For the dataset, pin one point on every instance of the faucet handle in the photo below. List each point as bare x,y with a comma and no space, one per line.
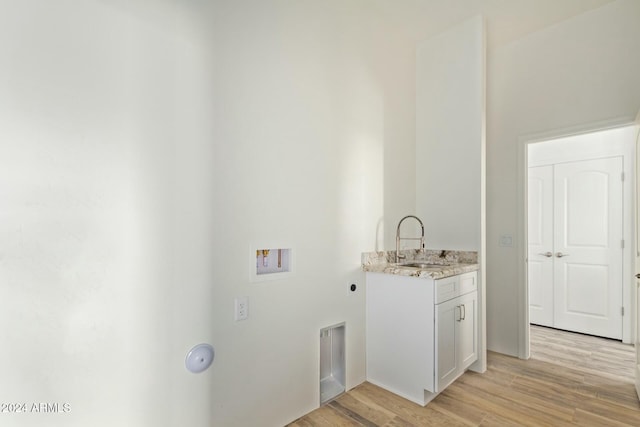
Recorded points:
401,256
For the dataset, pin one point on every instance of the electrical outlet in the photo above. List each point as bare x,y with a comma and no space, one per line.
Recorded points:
241,308
352,288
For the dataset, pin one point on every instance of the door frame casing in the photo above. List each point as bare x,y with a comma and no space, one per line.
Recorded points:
522,244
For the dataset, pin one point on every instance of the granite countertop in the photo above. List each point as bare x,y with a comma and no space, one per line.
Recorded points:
438,272
445,263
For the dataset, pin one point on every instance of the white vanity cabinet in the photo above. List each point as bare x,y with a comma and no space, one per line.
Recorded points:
421,333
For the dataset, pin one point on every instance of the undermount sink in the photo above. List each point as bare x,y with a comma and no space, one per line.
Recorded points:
423,265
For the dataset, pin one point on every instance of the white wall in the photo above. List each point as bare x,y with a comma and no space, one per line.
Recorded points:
450,112
450,146
307,105
91,100
143,148
577,74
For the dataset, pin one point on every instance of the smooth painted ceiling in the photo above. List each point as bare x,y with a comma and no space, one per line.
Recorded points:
507,20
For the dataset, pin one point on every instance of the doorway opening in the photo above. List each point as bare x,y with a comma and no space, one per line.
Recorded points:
575,249
576,237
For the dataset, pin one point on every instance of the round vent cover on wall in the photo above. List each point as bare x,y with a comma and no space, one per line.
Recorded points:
199,358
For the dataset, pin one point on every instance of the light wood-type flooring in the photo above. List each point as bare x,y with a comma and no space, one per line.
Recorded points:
570,380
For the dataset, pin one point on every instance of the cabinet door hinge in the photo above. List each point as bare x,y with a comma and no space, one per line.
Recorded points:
622,243
622,310
622,176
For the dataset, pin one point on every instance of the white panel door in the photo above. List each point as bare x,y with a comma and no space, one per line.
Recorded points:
540,237
588,246
636,340
637,332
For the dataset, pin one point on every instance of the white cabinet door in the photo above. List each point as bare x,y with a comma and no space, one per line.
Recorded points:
447,368
468,330
456,338
588,246
540,237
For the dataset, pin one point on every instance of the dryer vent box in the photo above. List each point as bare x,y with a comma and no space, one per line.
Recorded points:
332,362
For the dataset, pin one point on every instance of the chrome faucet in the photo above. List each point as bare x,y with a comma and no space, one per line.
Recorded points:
398,238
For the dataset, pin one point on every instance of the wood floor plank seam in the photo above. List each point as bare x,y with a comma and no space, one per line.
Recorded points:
361,420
